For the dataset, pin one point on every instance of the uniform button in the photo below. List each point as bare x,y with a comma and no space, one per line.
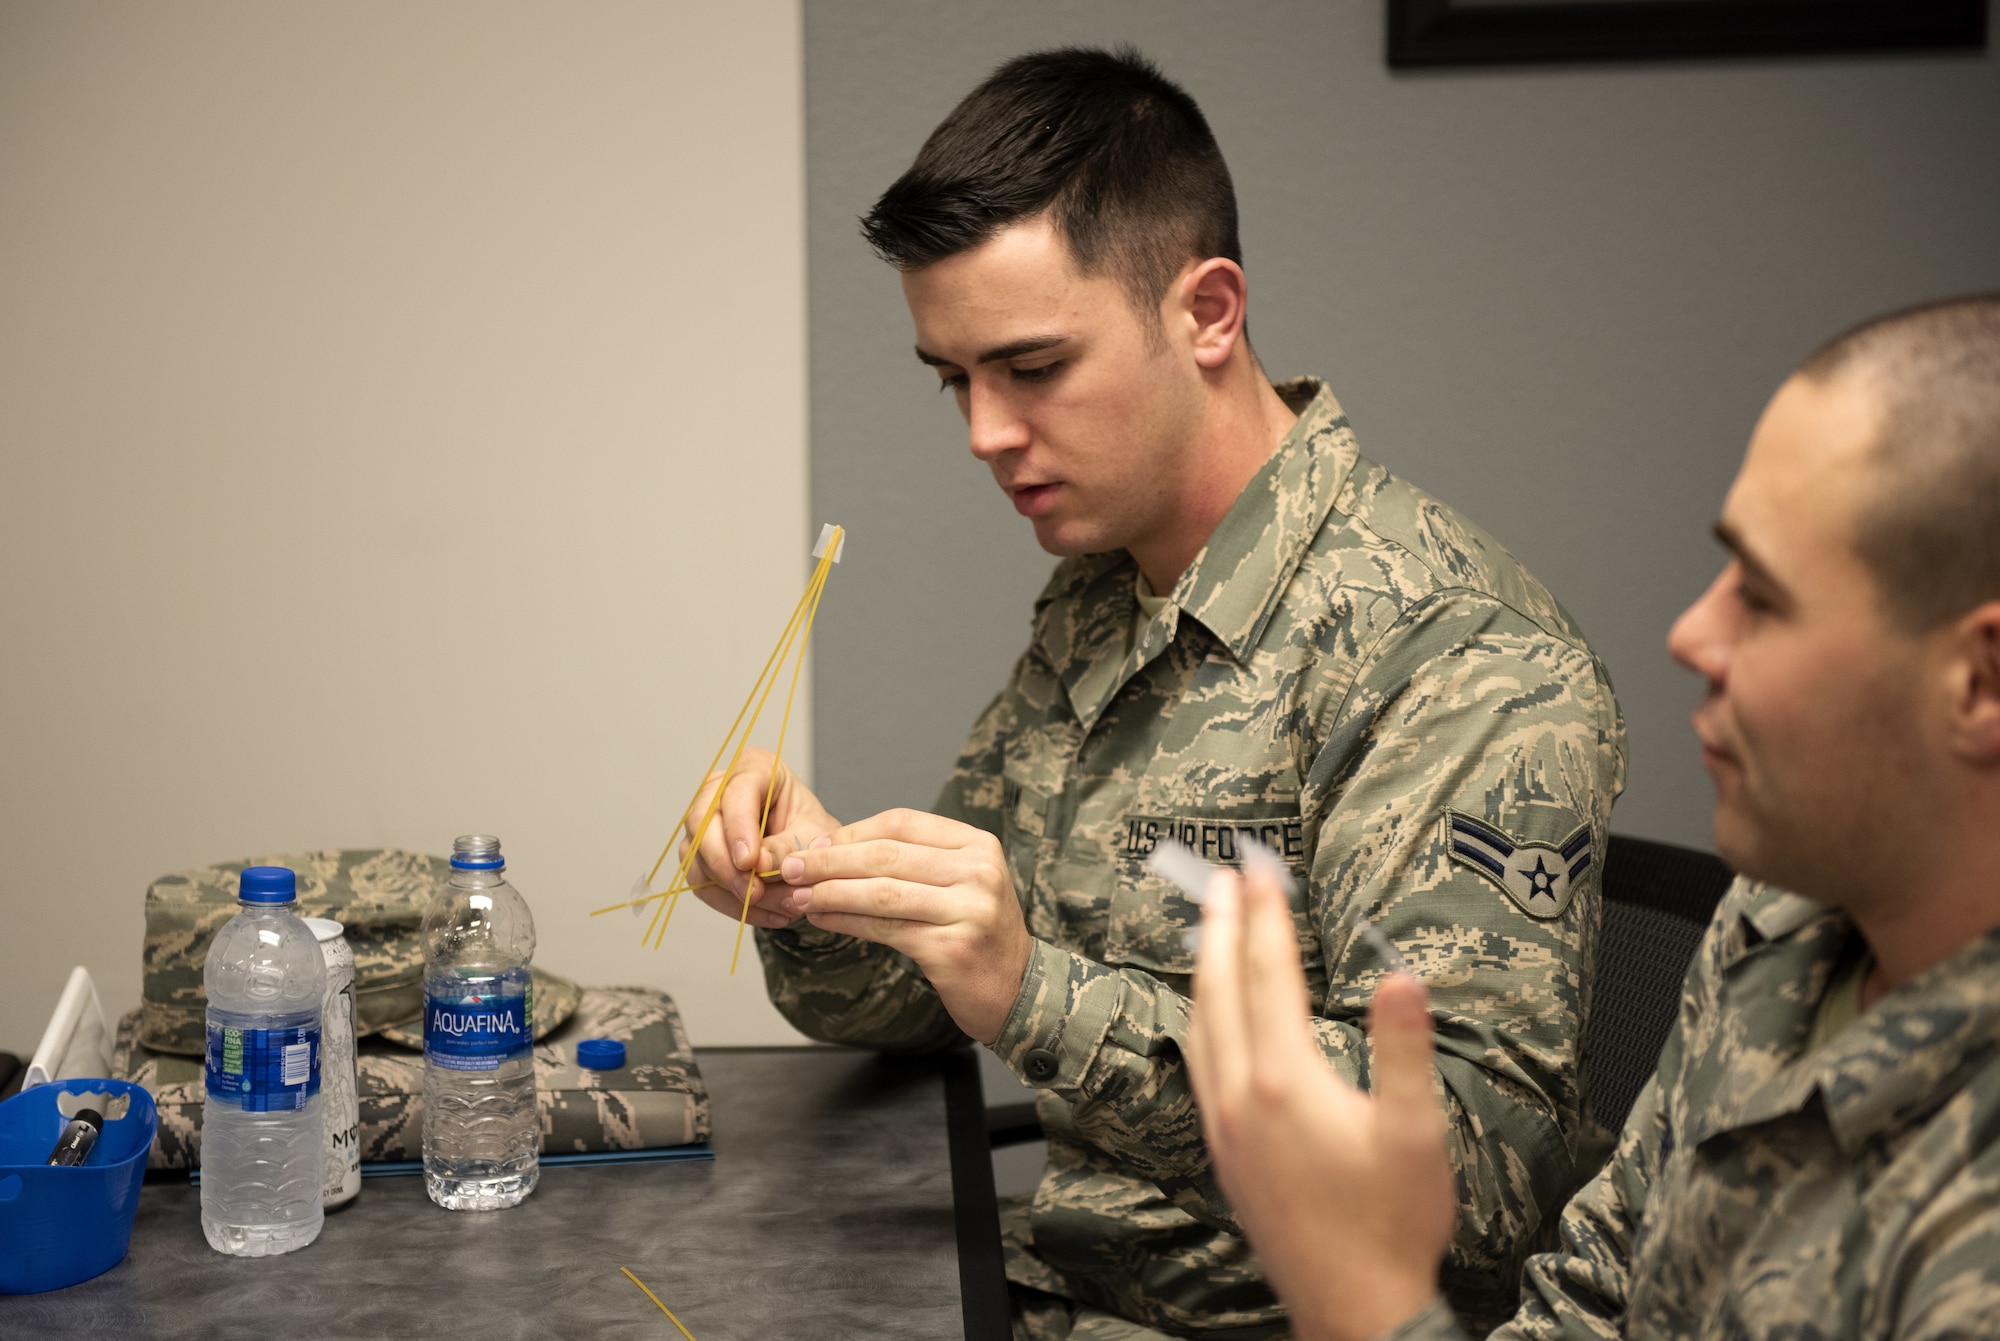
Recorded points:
1042,1065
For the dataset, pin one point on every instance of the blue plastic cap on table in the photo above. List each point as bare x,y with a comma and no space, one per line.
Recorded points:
600,1054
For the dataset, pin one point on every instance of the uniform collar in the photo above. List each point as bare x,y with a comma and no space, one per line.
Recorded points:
1233,585
1891,1066
1916,1047
1775,914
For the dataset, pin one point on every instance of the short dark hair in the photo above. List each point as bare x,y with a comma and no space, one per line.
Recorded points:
1117,154
1931,530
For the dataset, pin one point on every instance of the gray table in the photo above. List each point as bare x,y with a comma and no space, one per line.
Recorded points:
850,1196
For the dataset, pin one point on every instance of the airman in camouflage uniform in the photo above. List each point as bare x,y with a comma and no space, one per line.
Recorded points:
1337,667
1817,1154
1764,1187
1357,677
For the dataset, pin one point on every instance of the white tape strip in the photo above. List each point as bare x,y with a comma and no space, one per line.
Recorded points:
1262,861
826,536
1381,945
1177,863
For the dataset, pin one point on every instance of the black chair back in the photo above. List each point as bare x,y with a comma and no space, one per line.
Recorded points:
1658,901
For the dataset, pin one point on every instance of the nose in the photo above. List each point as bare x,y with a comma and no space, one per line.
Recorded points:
993,426
1702,637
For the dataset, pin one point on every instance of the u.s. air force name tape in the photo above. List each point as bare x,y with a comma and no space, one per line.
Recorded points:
1212,839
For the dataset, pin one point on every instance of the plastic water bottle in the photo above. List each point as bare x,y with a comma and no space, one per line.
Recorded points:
261,1136
481,1133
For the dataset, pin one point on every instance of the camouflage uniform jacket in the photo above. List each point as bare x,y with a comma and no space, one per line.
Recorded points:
1763,1191
1358,677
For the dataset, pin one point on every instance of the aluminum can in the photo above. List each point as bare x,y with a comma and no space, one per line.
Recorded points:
340,1105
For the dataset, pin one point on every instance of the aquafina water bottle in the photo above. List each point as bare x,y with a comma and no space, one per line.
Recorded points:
481,1133
260,1125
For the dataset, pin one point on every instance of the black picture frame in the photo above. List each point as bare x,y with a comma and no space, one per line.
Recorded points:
1481,32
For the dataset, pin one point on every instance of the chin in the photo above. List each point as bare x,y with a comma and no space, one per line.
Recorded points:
1737,854
1067,542
1788,861
1739,844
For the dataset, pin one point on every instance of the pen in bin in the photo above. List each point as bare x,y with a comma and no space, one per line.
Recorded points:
77,1138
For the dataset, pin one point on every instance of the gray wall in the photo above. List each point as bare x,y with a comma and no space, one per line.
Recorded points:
1554,298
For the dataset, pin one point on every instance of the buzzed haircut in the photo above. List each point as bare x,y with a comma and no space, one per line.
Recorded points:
1117,154
1931,530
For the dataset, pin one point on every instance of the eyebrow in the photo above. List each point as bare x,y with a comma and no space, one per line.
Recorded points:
1014,349
1732,540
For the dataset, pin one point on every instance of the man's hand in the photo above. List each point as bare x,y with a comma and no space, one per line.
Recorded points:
933,888
735,847
1347,1197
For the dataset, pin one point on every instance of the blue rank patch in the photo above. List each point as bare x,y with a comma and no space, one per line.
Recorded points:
1538,877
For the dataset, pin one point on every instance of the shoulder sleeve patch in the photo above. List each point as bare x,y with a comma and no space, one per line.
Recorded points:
1538,877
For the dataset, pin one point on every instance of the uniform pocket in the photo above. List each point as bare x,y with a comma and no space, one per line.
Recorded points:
1023,826
1151,916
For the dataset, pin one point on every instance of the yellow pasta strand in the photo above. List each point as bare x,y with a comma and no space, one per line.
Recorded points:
680,883
671,899
664,914
770,662
797,636
707,884
751,888
657,1304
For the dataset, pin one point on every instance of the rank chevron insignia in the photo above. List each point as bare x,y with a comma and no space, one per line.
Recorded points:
1536,876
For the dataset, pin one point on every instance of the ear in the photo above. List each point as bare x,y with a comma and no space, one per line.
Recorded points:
1973,650
1214,296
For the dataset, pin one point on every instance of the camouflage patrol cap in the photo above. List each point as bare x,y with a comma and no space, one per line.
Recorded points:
377,894
656,1099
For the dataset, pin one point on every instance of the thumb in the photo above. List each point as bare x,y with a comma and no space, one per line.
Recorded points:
775,848
1399,1028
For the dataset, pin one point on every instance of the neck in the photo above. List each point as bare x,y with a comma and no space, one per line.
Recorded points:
1935,907
1242,423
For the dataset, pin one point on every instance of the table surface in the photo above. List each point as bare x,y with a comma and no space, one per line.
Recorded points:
850,1195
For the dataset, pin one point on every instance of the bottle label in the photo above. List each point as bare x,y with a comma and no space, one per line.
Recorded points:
476,1031
263,1070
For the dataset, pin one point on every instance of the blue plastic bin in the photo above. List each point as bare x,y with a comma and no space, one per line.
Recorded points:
59,1226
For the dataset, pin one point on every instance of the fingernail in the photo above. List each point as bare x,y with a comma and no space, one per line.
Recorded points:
742,852
824,840
791,869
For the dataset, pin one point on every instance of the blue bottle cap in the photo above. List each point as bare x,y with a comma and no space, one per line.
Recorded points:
268,884
600,1054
